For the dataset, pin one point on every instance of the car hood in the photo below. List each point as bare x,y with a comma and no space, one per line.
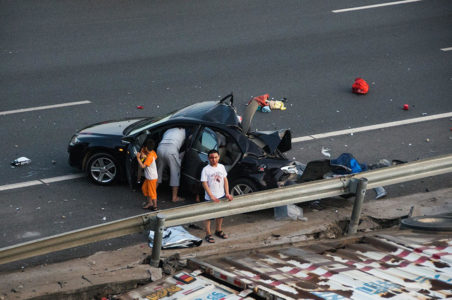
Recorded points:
248,115
113,127
280,139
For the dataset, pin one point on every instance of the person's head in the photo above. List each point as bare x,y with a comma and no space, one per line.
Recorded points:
149,145
214,157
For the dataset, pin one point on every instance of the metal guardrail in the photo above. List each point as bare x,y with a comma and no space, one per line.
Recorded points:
246,203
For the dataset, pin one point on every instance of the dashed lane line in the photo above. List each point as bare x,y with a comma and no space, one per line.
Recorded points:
21,110
40,181
446,49
294,140
373,6
371,127
62,178
20,185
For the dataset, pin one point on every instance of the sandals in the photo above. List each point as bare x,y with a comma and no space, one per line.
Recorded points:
221,234
148,206
209,239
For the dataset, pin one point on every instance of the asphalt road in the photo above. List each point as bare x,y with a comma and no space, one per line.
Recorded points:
165,55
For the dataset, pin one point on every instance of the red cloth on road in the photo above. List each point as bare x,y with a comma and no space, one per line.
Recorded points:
262,100
360,86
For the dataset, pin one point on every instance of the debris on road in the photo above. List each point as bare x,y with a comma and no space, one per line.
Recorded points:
325,152
289,212
266,105
140,107
406,107
360,86
380,192
176,237
21,161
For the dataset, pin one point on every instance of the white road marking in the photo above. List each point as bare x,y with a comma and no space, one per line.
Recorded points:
373,6
40,181
370,127
21,110
446,49
19,185
294,140
62,178
29,234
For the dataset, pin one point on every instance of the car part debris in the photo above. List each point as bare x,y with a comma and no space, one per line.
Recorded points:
380,192
21,161
289,212
441,222
325,152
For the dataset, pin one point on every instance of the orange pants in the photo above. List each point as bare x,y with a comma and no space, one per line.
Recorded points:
149,188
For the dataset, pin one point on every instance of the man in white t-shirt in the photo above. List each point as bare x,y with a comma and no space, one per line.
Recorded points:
215,182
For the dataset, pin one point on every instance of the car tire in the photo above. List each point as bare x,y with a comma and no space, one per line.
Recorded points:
242,186
102,169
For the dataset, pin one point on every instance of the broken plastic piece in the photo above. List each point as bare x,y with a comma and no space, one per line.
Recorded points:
360,86
21,161
290,211
406,107
140,107
325,152
380,192
266,108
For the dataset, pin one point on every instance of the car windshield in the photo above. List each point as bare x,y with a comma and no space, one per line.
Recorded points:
144,124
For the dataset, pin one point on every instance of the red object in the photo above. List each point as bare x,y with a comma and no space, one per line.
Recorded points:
262,100
360,86
406,107
140,107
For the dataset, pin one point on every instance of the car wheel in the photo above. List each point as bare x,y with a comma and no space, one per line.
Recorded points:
242,186
102,168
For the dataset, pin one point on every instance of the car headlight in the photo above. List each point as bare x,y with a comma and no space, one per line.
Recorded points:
74,140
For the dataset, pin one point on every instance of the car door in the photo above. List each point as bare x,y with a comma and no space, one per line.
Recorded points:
131,164
196,157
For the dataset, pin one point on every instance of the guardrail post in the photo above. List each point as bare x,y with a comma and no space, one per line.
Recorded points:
360,192
158,237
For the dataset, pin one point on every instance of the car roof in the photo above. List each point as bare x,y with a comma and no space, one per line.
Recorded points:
210,111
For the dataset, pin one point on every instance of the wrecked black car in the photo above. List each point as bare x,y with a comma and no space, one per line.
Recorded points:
254,160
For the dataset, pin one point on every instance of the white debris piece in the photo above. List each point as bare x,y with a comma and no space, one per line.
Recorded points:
325,152
21,161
